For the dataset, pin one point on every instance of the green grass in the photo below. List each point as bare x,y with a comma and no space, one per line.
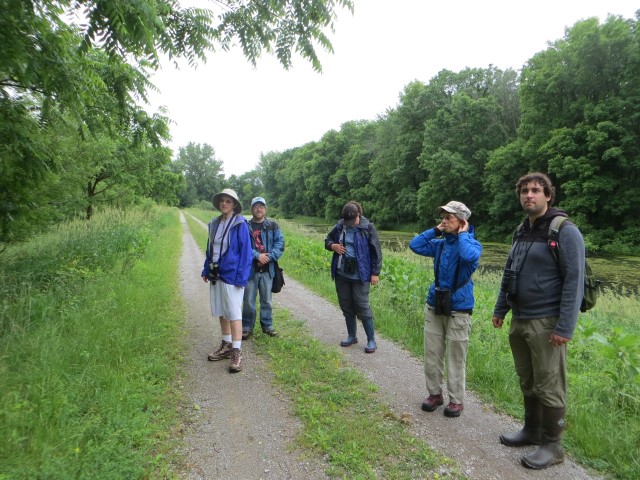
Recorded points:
91,334
603,429
344,420
89,348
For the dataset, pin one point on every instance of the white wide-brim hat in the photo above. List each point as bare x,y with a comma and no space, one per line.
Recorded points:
237,207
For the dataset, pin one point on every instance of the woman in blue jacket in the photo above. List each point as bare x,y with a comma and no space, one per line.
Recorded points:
450,303
227,268
355,266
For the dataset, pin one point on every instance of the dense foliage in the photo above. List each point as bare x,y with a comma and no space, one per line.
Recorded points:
73,81
572,112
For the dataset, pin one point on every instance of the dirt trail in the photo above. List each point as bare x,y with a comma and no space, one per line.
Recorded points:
242,427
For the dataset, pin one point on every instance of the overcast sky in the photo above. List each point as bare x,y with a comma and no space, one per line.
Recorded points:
243,112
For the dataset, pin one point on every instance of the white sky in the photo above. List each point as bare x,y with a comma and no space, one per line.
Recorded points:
242,112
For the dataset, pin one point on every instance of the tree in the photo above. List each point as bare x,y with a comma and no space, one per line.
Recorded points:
476,112
581,119
86,63
202,172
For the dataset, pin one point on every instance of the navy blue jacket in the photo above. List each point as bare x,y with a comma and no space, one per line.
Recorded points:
367,246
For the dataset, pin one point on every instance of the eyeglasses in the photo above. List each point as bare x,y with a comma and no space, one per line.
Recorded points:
448,217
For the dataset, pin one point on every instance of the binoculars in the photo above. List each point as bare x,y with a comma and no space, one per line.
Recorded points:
214,272
510,282
443,301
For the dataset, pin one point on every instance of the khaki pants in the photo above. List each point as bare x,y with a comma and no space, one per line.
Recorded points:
541,367
446,335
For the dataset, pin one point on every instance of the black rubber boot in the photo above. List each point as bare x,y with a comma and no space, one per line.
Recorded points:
531,433
351,332
550,451
371,342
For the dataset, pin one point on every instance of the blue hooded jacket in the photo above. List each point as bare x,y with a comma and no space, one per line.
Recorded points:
459,252
235,264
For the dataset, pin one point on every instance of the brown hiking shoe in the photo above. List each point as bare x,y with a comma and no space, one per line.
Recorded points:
432,402
223,351
453,409
236,360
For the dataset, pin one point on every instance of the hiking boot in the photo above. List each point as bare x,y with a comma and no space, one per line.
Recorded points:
236,360
270,332
432,402
453,409
246,334
223,351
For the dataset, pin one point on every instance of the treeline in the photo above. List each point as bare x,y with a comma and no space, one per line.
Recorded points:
573,112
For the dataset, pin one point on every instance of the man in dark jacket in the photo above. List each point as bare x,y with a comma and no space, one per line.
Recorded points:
267,245
355,266
450,301
544,298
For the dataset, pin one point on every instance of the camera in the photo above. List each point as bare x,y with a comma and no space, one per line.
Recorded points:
510,282
443,301
350,265
214,272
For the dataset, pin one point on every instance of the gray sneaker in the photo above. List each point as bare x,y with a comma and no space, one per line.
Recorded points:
236,360
223,351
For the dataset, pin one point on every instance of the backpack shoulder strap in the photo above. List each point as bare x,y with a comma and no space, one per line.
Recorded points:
517,232
273,225
553,235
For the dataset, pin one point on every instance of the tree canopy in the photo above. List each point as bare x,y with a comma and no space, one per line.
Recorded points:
74,77
572,112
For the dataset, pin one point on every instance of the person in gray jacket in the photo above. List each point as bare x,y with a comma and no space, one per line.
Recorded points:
544,298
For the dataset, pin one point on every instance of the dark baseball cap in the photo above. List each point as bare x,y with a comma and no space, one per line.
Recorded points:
350,214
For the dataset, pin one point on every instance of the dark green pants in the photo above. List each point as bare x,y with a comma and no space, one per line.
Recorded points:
541,367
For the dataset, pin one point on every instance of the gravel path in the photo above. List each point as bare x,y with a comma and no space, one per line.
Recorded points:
241,426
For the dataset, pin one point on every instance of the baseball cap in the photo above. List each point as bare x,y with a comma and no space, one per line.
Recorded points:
349,214
258,200
457,208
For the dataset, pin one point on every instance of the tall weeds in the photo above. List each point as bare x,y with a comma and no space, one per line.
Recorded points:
89,341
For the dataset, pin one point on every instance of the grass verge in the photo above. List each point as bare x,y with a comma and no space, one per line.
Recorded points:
88,357
344,421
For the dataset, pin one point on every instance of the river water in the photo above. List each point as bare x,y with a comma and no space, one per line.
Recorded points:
619,273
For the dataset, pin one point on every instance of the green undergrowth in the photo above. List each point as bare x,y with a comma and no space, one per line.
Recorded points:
603,415
89,348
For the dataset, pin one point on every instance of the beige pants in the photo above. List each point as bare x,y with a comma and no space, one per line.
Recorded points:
446,335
